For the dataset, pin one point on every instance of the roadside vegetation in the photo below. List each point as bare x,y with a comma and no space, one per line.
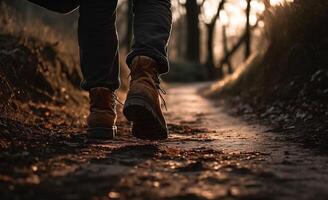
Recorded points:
285,83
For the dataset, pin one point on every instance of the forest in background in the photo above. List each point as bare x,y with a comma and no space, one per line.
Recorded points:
201,42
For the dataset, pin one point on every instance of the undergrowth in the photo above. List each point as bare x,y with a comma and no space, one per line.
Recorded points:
286,82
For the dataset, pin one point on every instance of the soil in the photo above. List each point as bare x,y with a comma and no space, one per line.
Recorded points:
209,155
298,108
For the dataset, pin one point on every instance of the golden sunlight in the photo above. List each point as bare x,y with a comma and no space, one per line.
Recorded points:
234,16
280,2
234,11
210,9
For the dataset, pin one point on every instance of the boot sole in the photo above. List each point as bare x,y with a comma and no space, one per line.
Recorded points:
146,124
102,133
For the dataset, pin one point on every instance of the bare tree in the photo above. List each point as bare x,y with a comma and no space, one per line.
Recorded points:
193,33
225,48
267,4
248,31
212,72
238,44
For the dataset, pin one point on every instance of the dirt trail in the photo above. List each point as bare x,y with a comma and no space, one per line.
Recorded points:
209,155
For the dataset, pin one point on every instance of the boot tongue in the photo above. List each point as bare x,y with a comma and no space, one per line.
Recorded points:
101,98
144,67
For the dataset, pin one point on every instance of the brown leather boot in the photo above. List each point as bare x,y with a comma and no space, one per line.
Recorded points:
102,118
142,106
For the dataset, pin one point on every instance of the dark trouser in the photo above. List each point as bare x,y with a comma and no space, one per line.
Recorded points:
99,41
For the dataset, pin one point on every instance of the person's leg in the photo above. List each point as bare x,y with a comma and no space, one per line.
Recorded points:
148,59
98,44
60,6
152,28
100,64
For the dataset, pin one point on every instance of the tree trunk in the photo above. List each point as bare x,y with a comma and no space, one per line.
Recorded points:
225,48
248,31
193,32
212,72
267,4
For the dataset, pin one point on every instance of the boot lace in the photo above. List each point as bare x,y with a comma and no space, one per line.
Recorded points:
118,100
161,91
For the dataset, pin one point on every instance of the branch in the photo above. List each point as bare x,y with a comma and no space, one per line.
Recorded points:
238,44
202,4
217,16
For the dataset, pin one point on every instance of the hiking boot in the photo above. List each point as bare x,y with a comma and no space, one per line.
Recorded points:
142,106
102,118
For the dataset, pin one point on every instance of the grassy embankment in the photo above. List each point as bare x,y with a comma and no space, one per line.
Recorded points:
41,101
286,82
